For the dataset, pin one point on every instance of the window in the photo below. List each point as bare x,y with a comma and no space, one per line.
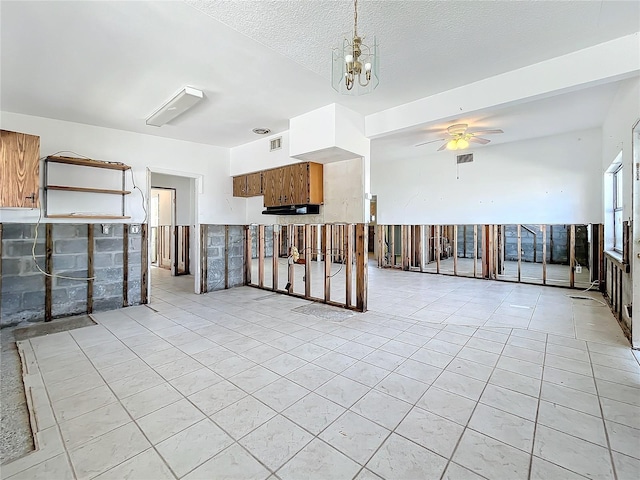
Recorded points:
617,209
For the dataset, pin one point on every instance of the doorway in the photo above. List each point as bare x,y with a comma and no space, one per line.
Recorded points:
172,221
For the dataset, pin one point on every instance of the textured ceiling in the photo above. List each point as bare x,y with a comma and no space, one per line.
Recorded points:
262,62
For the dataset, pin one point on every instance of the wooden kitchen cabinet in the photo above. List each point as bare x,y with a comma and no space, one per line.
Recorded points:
240,186
297,184
19,170
254,184
249,185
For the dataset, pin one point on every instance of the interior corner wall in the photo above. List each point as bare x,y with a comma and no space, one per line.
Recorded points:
216,201
555,179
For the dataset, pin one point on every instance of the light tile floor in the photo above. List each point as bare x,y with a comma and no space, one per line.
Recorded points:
444,378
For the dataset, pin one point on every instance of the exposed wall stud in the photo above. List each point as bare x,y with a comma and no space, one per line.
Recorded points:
544,254
572,255
276,257
361,267
261,255
226,256
328,250
203,259
125,265
144,283
49,269
519,228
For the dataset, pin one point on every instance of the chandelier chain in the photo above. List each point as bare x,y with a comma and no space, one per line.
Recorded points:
355,18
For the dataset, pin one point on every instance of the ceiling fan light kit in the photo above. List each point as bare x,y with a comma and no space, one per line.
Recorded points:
354,67
460,137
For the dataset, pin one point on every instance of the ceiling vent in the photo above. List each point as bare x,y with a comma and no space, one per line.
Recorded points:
275,144
465,158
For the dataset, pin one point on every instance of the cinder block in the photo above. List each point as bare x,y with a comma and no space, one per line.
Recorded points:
33,300
102,260
19,231
69,230
108,275
108,245
111,303
10,302
72,278
21,248
63,262
11,266
70,246
25,283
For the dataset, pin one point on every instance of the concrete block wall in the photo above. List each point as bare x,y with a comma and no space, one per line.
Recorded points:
70,259
22,295
23,286
219,252
108,267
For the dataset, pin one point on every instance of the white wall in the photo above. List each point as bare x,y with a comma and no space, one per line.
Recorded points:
548,180
165,207
211,164
255,156
185,208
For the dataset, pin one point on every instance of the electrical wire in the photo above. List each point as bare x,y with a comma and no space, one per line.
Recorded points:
35,261
586,297
35,236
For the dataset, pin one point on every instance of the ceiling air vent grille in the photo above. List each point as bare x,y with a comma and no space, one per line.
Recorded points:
465,158
275,144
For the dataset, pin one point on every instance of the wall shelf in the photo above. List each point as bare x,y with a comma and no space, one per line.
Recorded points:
87,190
85,162
83,215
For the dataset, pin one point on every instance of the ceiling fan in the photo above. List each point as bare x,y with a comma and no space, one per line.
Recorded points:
460,137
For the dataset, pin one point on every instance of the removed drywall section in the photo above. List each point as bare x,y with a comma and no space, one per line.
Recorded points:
549,180
223,256
22,296
27,295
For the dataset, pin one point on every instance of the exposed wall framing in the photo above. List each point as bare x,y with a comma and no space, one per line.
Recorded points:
332,259
558,255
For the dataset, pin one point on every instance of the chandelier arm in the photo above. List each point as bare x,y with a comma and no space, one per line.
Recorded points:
360,82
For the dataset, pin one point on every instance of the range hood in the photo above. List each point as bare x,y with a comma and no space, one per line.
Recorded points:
293,210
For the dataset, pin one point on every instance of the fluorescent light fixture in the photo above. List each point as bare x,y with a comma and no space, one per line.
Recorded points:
180,103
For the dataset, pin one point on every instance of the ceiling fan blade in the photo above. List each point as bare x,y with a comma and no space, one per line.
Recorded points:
430,141
486,132
481,141
444,145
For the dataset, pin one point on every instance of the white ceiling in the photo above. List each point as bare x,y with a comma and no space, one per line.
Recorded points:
569,112
262,62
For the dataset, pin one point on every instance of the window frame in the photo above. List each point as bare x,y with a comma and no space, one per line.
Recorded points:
617,173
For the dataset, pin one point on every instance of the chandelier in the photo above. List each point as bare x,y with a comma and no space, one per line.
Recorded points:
354,67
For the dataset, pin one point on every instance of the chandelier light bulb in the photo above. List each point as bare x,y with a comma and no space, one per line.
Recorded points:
348,58
367,67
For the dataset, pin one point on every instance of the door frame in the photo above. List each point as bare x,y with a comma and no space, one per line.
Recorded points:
195,239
